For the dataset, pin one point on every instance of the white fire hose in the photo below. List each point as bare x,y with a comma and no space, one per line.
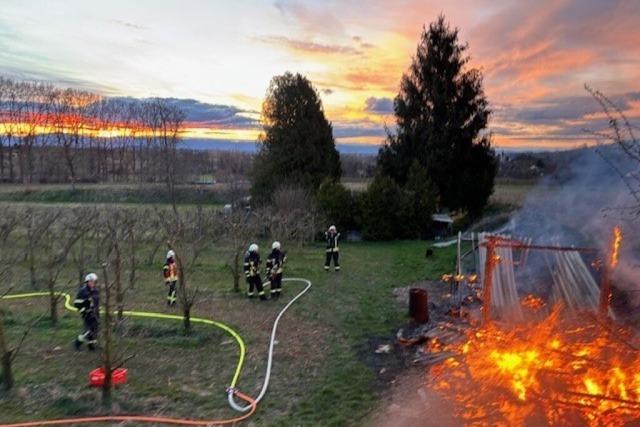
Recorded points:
265,385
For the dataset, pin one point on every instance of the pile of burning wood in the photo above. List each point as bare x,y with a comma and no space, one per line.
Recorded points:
570,369
563,362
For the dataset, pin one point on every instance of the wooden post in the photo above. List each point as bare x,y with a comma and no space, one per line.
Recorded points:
607,267
605,292
489,264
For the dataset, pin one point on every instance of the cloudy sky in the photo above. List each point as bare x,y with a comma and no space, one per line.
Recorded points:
216,57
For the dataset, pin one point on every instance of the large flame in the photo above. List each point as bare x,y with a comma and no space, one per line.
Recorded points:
565,370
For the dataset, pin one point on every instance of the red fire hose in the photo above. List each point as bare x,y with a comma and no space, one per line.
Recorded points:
143,419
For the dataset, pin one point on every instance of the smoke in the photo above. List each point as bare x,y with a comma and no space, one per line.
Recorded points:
579,206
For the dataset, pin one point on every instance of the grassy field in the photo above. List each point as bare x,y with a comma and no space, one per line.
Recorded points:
111,193
324,371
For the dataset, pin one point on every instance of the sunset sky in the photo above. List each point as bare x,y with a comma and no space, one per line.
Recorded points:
217,57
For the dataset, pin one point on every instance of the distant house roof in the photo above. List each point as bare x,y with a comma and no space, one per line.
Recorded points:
442,218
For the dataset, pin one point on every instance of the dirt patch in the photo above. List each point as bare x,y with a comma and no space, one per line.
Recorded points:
409,403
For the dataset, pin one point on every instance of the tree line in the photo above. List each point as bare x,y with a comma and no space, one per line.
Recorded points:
51,134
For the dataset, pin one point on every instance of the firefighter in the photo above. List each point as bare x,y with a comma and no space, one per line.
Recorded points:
88,304
275,267
252,269
331,237
170,273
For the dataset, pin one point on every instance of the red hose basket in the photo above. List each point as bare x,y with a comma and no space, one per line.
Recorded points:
96,377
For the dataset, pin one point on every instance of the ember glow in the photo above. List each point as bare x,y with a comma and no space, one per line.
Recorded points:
566,370
532,302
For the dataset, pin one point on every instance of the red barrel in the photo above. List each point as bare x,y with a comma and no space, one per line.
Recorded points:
419,305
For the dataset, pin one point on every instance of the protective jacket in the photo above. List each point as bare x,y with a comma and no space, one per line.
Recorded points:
275,262
332,241
170,270
88,301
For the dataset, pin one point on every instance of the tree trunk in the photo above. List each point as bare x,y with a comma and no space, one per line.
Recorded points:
132,259
107,356
1,161
6,376
186,319
11,150
32,265
53,304
118,282
7,373
236,272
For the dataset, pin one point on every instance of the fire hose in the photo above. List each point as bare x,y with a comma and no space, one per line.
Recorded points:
232,391
267,377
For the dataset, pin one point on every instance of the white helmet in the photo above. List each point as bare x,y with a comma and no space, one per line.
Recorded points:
253,248
91,277
332,228
275,245
170,254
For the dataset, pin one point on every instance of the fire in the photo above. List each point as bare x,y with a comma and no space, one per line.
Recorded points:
532,302
615,246
565,370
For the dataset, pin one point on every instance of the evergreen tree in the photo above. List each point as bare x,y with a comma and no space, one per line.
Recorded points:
387,211
297,146
442,114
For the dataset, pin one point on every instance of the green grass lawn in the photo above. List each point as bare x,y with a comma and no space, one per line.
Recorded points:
110,193
320,375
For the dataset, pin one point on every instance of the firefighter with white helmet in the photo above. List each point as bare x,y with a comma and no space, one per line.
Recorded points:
170,274
332,252
252,272
87,303
275,267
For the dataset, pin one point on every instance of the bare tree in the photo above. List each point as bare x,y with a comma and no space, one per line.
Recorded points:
621,134
55,244
71,122
36,223
292,215
240,226
8,353
84,220
189,234
115,223
113,358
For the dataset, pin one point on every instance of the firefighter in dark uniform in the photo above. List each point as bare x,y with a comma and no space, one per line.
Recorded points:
170,273
252,263
88,304
331,237
275,267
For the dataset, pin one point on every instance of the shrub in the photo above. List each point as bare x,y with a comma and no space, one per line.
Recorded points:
338,205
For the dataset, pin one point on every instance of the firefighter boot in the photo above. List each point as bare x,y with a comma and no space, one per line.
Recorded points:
77,344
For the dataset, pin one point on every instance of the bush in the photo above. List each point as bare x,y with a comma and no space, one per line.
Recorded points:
338,205
386,211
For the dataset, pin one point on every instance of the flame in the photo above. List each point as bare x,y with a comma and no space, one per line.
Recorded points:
564,370
615,246
532,302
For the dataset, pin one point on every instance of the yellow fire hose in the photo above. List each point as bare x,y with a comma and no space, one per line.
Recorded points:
152,315
232,391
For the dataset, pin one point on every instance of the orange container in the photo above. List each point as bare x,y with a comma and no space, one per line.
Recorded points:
96,377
